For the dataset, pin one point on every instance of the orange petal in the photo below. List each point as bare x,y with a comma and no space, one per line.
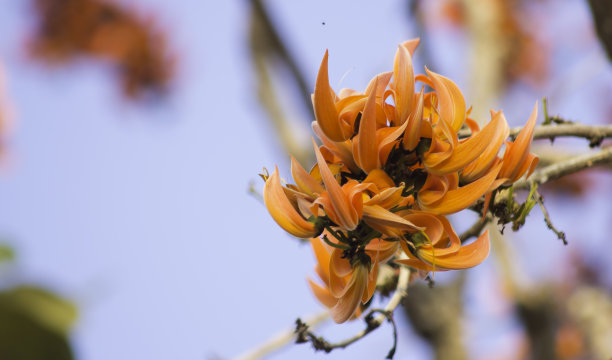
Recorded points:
375,214
322,294
529,163
473,125
459,199
517,154
479,166
371,287
347,305
339,268
379,84
304,181
334,168
452,103
424,79
532,160
412,134
348,109
467,151
417,264
365,149
347,215
434,228
411,45
468,255
386,138
381,250
379,178
434,189
378,245
323,256
305,206
282,211
439,151
487,199
452,243
324,104
403,84
388,198
343,150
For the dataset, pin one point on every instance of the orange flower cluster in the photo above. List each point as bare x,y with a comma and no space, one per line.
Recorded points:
390,168
98,28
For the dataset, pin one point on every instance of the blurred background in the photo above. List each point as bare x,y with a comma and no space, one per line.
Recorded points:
132,133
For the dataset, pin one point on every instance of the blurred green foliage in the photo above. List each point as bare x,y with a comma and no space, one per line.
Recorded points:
34,323
6,253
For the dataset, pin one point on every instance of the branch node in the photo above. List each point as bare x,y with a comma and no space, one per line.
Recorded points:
303,335
595,141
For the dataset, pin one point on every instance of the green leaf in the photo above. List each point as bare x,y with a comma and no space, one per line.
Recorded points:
34,324
50,310
6,253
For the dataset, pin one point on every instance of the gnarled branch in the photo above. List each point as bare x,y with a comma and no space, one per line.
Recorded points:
594,133
570,166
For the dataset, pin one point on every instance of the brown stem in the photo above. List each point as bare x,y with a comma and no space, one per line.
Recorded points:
602,16
475,229
271,41
575,164
319,343
594,133
560,234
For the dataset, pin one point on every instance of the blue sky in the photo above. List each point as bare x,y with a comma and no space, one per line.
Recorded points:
140,214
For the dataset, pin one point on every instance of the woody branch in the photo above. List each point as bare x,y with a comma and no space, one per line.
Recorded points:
595,134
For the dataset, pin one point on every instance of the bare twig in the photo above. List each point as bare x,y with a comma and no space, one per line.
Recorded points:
594,133
254,192
319,343
539,200
552,119
266,46
545,108
280,340
575,164
475,229
602,16
270,39
373,323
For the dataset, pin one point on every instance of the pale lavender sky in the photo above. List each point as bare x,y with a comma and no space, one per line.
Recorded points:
141,214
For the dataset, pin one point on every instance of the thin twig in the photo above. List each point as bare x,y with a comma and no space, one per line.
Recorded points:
475,229
319,343
594,133
273,43
254,192
539,200
281,339
602,13
304,335
545,108
552,119
575,164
